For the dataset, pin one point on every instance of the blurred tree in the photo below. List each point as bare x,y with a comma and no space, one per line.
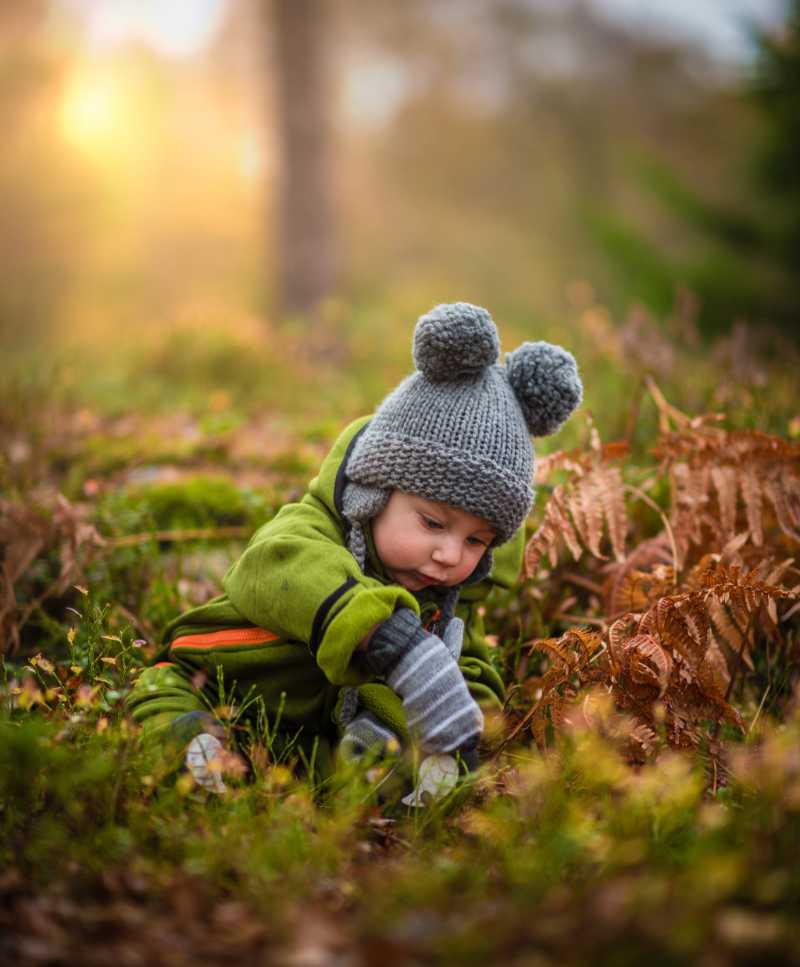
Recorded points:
34,199
307,246
504,169
776,91
743,256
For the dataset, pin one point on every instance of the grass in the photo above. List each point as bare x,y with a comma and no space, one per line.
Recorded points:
562,857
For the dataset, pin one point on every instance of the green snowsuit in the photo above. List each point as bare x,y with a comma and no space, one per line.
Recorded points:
296,605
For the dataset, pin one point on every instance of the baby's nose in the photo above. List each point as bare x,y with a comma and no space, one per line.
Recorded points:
447,552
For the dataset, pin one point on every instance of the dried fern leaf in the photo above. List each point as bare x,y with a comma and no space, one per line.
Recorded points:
586,504
563,522
555,648
646,662
543,541
725,480
751,497
783,512
778,571
712,672
729,631
612,499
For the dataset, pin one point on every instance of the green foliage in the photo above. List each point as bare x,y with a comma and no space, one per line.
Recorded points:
598,847
650,275
739,259
193,503
776,90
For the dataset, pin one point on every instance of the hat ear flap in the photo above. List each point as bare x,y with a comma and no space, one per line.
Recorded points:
546,384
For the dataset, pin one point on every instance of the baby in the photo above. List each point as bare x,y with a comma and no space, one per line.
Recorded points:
353,617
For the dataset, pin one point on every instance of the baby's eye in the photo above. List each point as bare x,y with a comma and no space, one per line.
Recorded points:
434,525
476,542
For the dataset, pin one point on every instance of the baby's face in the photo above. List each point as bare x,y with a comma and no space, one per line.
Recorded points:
423,542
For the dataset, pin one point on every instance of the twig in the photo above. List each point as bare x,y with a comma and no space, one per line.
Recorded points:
188,534
597,654
667,526
758,710
665,409
583,582
633,410
526,720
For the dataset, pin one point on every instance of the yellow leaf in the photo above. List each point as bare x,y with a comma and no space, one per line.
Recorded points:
71,635
83,591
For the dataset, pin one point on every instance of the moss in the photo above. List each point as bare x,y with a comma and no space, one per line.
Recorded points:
202,501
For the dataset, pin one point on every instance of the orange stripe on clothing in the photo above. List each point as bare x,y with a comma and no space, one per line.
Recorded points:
228,637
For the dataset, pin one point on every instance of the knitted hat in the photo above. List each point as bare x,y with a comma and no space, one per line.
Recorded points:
458,429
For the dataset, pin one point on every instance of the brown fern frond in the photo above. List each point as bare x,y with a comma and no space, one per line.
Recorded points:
587,515
643,741
570,657
645,662
650,554
728,631
575,515
562,521
751,497
777,573
712,672
545,540
612,499
748,470
725,482
556,648
573,462
639,589
776,491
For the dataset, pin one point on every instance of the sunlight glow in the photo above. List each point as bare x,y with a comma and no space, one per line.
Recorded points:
178,28
251,160
92,110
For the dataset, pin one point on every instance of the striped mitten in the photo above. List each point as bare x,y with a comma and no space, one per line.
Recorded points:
365,734
419,668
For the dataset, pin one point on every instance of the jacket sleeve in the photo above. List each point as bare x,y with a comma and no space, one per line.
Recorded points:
482,678
297,578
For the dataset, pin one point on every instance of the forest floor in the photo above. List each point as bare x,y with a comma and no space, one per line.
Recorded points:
639,797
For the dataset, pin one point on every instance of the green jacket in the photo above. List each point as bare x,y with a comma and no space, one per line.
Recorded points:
297,579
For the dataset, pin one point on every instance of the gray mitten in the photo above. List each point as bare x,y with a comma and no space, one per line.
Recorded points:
365,734
419,668
453,637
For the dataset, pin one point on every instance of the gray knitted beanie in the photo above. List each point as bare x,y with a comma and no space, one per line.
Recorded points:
458,429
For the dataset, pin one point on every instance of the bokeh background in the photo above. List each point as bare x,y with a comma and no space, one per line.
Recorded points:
235,209
219,221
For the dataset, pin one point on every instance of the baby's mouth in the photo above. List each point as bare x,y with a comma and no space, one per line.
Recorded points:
424,579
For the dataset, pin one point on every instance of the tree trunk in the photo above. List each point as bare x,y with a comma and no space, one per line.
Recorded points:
307,245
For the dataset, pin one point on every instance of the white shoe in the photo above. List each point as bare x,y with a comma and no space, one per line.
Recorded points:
204,758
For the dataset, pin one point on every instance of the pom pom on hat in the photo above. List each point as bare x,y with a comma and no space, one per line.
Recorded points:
455,342
546,384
